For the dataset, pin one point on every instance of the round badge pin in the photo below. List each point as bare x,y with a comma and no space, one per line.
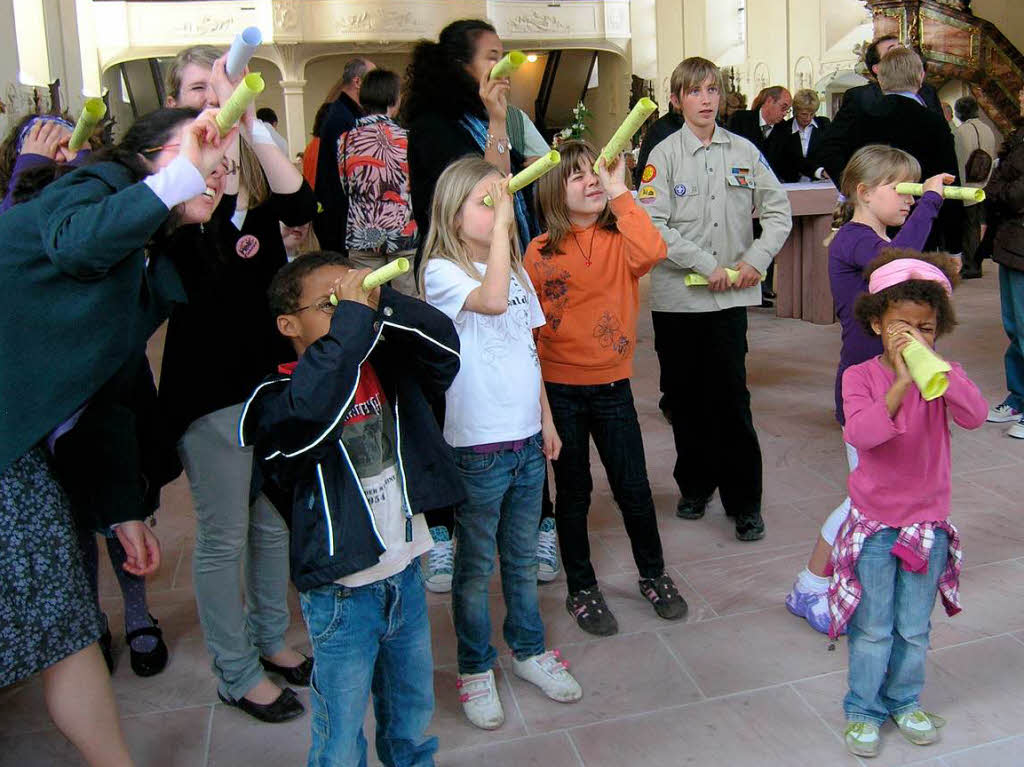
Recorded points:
247,246
680,190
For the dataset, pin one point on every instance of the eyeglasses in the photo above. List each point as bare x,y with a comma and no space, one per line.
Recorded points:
155,149
322,305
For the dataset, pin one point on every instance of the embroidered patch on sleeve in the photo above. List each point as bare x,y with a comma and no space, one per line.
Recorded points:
647,194
649,174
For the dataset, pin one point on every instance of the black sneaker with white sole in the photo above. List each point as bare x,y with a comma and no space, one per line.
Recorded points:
663,594
591,612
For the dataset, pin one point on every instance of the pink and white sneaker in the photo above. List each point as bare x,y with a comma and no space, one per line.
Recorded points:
480,702
551,674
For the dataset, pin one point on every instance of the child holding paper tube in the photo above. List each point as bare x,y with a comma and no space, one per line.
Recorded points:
499,425
585,270
699,187
871,207
898,547
347,431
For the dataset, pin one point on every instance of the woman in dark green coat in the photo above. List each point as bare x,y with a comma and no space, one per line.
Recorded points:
81,298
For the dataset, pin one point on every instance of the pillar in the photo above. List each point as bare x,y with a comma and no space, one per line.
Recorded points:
296,130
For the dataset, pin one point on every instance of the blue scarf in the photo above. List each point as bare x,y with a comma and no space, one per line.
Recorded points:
524,222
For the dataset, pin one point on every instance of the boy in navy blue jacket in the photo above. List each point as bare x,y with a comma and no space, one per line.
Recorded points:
347,432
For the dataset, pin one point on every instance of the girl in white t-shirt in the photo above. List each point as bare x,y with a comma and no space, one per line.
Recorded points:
498,422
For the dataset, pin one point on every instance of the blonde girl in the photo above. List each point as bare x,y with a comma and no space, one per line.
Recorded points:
498,423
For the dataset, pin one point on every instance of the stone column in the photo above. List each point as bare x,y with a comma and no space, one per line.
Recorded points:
296,130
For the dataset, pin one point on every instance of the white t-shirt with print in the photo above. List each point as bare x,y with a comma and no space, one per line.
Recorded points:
496,395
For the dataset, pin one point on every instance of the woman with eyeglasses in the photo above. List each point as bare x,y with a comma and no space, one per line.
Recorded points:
219,346
84,291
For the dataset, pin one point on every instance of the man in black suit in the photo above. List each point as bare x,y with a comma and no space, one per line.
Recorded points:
900,119
856,101
329,224
757,123
791,142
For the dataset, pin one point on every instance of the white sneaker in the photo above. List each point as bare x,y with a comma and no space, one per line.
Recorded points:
549,672
548,564
480,701
440,562
1003,414
1017,430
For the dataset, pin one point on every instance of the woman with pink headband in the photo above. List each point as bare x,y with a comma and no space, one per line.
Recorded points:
898,547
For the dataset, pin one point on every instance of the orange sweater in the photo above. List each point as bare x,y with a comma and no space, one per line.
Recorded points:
590,297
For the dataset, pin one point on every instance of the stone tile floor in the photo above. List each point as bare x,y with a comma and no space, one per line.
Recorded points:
740,682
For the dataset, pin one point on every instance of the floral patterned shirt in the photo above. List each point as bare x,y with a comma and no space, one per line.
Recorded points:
374,169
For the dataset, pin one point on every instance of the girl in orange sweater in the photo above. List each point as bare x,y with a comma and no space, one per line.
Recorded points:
585,268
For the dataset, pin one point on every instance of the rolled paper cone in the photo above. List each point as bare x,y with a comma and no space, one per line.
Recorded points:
246,92
531,173
624,135
694,280
241,50
927,369
969,193
386,273
93,111
508,64
378,277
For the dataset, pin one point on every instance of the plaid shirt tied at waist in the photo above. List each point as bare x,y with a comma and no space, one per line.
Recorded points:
913,547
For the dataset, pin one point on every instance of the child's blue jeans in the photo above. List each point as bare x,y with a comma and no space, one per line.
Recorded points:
501,514
888,633
373,638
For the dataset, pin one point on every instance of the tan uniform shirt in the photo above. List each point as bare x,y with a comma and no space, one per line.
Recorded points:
702,200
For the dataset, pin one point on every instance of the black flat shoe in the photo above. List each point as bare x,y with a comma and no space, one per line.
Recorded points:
970,274
692,508
297,675
106,643
769,294
285,708
152,662
766,303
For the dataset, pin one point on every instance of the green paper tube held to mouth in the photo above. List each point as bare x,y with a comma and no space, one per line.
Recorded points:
508,64
929,371
93,111
378,277
624,135
529,174
968,193
230,113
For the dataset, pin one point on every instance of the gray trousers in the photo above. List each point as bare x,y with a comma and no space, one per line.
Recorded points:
231,535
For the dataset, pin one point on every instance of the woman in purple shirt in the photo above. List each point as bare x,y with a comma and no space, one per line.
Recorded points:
870,208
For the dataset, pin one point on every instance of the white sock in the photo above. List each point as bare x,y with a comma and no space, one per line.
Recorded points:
811,583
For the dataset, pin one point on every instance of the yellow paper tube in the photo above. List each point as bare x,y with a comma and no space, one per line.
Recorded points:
531,173
93,111
643,109
378,277
508,64
695,280
928,370
246,92
969,193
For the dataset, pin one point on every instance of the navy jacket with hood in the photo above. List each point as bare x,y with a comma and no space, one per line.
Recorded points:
295,423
